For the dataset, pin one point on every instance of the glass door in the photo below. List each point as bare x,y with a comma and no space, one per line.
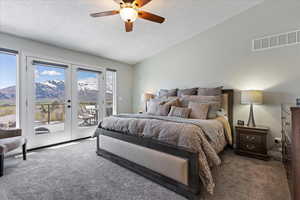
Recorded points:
49,102
87,101
64,101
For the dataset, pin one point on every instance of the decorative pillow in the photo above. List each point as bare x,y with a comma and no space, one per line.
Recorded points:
210,91
175,102
160,101
198,99
167,93
155,108
198,110
190,91
179,112
214,108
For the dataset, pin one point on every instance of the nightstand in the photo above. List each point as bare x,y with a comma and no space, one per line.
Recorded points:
252,141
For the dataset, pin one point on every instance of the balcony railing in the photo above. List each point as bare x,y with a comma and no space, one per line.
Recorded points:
47,113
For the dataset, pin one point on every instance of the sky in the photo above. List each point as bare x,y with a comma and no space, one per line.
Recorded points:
8,67
45,73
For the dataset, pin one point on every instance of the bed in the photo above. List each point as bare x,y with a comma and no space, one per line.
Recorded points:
164,155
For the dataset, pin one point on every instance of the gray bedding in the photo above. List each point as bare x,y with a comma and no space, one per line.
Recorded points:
207,137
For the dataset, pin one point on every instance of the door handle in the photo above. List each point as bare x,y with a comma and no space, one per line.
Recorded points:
69,101
69,106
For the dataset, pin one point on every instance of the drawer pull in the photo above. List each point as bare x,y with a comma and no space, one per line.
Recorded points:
250,138
250,147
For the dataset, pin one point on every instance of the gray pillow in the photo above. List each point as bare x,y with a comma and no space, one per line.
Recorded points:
190,91
160,101
167,93
210,91
214,108
155,108
179,112
199,99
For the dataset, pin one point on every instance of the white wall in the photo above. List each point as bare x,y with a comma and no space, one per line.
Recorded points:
222,56
124,71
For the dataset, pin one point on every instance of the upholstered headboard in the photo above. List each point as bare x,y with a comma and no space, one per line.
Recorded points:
227,105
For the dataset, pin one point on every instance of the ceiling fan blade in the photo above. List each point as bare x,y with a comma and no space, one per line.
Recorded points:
128,26
118,1
123,1
141,3
128,1
106,13
151,17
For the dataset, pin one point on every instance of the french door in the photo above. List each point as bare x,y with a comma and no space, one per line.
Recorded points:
64,101
88,102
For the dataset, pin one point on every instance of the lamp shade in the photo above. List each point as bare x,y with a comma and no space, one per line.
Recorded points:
148,96
252,97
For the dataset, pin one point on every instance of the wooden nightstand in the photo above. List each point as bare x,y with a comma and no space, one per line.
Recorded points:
252,141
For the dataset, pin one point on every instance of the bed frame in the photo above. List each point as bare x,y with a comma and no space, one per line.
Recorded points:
192,189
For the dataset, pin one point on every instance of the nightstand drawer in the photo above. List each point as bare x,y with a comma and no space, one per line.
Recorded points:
252,141
247,138
252,147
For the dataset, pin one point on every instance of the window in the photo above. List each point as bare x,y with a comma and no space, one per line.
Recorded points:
8,88
110,94
49,98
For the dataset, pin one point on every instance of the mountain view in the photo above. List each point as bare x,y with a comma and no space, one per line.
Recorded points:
50,92
54,90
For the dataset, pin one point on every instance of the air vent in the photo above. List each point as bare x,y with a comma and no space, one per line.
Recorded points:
276,41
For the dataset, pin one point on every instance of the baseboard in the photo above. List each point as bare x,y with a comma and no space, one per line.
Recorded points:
56,144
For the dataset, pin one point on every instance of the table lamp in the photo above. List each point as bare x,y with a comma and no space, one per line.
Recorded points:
147,97
251,97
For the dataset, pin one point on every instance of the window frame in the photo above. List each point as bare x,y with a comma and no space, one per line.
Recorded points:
18,82
115,99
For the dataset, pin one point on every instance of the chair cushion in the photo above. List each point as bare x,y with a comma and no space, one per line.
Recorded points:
10,144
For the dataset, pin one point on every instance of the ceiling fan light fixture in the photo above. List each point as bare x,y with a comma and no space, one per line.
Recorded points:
128,14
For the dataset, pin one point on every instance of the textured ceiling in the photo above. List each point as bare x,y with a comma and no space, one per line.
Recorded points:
66,23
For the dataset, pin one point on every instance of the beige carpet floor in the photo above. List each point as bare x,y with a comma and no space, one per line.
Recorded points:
76,173
243,178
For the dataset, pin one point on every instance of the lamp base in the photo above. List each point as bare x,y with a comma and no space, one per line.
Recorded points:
251,121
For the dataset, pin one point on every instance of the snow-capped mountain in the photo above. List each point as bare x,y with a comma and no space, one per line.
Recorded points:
50,90
7,93
55,90
88,84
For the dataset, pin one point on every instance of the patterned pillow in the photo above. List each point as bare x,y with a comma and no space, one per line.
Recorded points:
179,112
190,91
210,91
167,93
198,110
175,102
155,108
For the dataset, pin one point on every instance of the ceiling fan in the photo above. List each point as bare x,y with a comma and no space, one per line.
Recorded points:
130,11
